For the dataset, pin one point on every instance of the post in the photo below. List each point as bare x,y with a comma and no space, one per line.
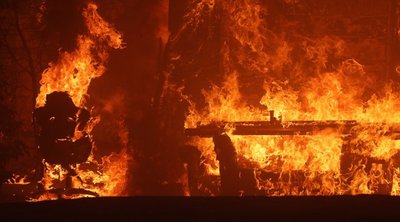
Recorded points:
228,165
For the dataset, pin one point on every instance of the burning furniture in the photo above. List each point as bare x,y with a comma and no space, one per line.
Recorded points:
232,175
59,122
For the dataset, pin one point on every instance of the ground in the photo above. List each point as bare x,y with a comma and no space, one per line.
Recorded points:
334,208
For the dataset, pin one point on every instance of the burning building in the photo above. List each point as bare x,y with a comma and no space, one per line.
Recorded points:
200,98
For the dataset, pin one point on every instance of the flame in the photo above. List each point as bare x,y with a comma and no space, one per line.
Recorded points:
111,178
73,73
18,179
315,155
314,90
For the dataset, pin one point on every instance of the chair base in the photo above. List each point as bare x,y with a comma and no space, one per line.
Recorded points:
65,193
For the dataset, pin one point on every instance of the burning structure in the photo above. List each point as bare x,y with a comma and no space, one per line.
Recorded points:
308,63
239,98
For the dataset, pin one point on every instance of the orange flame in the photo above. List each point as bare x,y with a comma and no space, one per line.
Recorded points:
306,165
73,73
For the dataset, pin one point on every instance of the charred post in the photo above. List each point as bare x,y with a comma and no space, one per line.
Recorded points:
228,165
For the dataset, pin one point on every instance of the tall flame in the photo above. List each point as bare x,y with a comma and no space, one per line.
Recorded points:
73,73
309,90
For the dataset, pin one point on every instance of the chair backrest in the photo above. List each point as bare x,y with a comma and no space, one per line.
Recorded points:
56,123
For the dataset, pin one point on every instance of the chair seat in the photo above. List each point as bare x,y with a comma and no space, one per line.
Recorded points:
65,152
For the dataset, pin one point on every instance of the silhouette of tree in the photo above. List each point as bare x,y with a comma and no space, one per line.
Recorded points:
10,146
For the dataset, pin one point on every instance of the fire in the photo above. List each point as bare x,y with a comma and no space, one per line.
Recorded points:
311,164
72,73
111,177
17,179
315,155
